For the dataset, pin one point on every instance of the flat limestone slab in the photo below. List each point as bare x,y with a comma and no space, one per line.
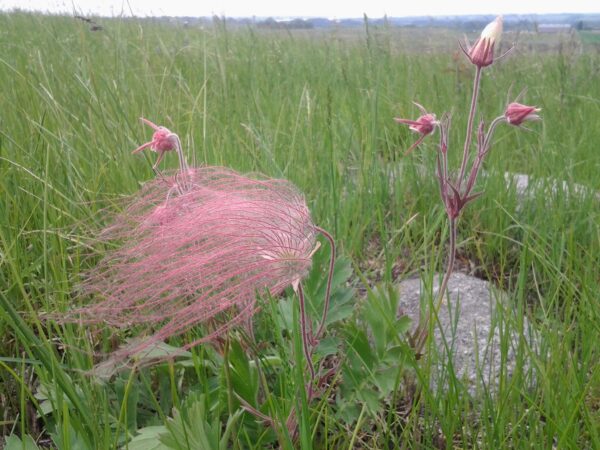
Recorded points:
473,327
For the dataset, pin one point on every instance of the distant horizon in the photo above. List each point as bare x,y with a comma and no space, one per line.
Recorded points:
309,9
285,17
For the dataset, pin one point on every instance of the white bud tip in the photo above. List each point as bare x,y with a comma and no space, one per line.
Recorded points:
493,30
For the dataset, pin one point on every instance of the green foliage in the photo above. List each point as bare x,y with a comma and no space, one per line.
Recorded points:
377,356
192,427
244,378
15,443
342,293
149,438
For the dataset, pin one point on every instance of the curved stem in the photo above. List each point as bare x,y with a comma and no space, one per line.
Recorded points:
469,136
481,153
329,237
488,137
182,162
420,334
306,339
183,167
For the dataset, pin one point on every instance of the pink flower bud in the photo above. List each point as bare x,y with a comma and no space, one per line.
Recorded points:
482,52
424,125
163,140
517,113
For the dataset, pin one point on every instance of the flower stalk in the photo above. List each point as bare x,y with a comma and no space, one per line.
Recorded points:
470,121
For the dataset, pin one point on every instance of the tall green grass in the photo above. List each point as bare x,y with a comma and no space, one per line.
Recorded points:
316,108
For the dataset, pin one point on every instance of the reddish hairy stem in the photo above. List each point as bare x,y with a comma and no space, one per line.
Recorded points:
183,167
306,339
468,137
415,145
329,237
252,410
481,153
420,335
442,159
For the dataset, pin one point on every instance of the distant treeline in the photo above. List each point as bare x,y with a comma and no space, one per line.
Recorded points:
466,23
285,24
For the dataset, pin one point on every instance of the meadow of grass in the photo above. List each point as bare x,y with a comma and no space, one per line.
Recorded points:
315,108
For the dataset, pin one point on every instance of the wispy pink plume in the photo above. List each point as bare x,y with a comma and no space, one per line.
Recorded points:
185,255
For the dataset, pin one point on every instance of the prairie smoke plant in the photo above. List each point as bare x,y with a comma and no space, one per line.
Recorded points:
456,190
196,246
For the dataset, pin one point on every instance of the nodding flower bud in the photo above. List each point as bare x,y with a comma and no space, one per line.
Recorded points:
424,125
482,52
163,140
517,113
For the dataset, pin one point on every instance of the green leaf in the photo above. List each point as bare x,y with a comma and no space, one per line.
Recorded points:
286,313
362,349
386,378
348,411
402,325
130,393
40,350
372,400
14,443
342,295
192,427
148,438
69,438
376,354
231,422
328,346
158,351
244,378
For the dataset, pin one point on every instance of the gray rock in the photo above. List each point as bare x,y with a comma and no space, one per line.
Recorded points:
473,328
524,185
527,187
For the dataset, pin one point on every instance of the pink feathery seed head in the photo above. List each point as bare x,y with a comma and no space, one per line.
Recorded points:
482,52
516,113
187,257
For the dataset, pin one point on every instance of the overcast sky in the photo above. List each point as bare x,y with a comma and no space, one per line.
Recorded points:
302,8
